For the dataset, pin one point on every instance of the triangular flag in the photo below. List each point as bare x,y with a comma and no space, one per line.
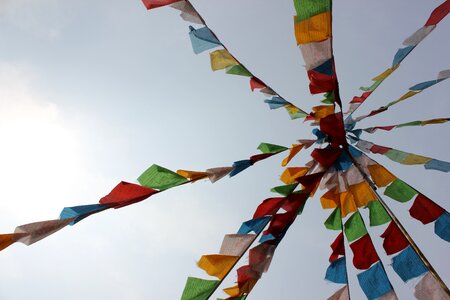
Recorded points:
374,282
394,240
341,294
377,214
354,227
192,175
217,265
364,253
33,232
126,193
160,178
236,244
215,174
198,289
81,212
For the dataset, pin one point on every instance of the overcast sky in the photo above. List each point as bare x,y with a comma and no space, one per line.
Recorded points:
94,92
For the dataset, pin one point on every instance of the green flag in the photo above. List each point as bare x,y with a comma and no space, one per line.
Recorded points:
329,98
377,214
354,227
307,8
413,123
160,178
238,70
198,289
270,148
372,87
284,189
396,155
334,221
400,191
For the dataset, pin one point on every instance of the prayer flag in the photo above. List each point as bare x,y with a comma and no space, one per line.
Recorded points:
408,265
81,212
128,193
160,178
364,253
442,226
333,222
425,210
202,39
429,288
33,232
271,148
354,227
220,59
149,4
255,225
217,265
400,191
374,282
337,271
394,239
215,174
338,247
198,289
236,244
377,214
341,294
269,206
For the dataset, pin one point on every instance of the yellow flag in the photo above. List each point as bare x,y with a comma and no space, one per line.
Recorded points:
220,59
249,285
233,291
322,111
291,174
217,265
314,29
6,240
385,74
434,121
362,193
330,200
292,152
380,175
192,175
413,159
348,204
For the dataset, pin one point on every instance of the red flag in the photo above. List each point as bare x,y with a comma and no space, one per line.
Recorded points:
310,182
321,83
326,157
295,201
280,222
379,149
377,111
425,210
127,193
260,257
338,247
387,128
364,253
269,206
255,83
259,157
394,240
361,98
439,13
149,4
333,126
245,273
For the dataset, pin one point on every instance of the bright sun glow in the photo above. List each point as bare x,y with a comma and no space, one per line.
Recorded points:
38,157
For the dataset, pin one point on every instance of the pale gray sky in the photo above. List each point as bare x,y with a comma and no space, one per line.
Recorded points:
93,92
